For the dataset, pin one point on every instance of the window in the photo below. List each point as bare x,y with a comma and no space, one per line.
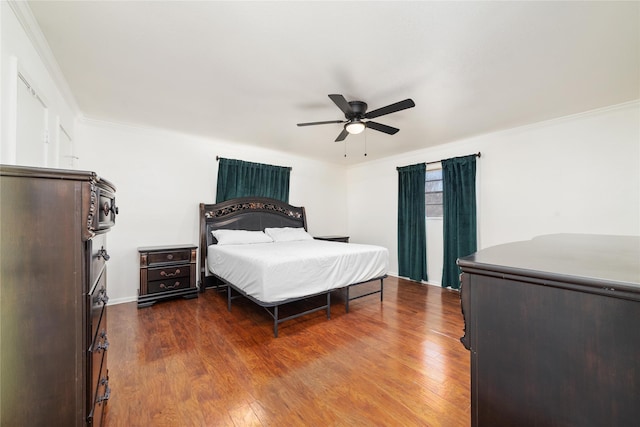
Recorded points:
433,193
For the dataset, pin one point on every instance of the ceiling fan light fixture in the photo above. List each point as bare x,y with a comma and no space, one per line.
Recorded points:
356,111
355,127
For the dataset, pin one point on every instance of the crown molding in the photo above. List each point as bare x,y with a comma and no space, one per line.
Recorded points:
25,17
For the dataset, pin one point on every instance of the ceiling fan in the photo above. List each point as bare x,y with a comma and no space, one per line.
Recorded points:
356,111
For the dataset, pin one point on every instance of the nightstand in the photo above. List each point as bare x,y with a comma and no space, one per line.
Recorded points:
167,272
343,239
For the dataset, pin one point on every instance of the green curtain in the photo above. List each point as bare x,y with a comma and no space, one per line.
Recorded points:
412,236
240,179
459,217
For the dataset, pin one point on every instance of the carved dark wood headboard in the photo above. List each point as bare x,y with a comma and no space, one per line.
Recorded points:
245,213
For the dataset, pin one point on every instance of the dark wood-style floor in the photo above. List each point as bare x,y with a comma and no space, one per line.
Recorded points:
193,363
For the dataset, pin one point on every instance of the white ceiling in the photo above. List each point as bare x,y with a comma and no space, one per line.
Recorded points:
247,72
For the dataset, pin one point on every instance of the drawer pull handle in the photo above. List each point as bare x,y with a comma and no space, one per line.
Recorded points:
103,253
175,285
102,345
170,257
101,298
107,392
164,273
104,298
106,208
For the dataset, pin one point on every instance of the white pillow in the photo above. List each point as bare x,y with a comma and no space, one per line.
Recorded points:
240,237
287,234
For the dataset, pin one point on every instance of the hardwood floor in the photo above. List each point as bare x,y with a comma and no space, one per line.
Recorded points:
193,363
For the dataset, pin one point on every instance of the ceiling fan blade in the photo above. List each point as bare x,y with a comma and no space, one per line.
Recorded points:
392,108
321,123
342,135
342,104
382,128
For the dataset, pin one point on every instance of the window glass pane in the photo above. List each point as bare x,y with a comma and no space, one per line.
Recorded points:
431,186
433,198
433,193
434,211
434,175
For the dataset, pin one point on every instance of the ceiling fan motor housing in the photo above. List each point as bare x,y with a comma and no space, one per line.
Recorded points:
356,111
358,108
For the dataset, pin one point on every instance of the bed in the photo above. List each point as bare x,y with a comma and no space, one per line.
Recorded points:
262,251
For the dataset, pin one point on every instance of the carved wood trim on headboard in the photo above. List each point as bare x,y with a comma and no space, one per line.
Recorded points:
245,213
217,211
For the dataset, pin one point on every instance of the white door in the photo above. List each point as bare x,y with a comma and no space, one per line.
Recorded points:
66,158
31,136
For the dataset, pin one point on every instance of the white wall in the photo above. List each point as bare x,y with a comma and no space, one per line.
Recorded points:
162,176
579,174
576,174
19,54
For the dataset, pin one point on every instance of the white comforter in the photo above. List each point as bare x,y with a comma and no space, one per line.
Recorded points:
274,272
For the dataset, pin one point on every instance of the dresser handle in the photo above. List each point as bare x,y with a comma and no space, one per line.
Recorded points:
103,253
175,285
163,273
103,298
107,392
106,208
103,346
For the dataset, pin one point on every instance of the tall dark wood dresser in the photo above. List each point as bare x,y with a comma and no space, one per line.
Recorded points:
553,327
53,295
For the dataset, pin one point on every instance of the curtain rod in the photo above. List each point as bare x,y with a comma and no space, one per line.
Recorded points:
288,167
478,154
438,161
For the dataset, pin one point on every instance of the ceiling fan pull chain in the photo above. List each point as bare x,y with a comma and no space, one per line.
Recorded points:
357,120
365,142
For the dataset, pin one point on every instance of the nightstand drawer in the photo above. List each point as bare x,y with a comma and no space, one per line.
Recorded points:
170,284
168,273
168,257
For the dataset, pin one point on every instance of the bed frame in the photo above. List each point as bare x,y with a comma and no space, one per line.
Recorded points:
256,214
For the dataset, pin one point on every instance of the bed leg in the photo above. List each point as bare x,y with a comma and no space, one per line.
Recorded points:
228,298
328,305
347,302
275,322
381,288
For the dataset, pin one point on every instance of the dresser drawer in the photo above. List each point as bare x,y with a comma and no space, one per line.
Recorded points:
170,284
98,382
168,257
99,256
98,300
98,362
168,273
100,343
107,209
101,392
